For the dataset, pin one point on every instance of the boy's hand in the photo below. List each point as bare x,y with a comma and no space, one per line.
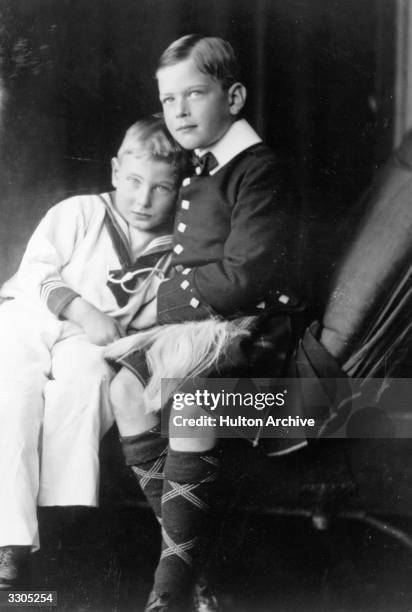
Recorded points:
98,326
101,329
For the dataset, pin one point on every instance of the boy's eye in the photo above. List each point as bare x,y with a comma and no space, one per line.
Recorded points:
163,189
134,181
195,93
167,100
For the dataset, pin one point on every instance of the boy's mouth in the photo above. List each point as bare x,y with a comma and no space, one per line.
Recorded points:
185,128
141,216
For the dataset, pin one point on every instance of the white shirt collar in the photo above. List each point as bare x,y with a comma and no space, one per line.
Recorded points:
240,136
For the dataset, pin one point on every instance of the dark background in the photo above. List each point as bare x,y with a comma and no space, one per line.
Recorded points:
76,73
320,75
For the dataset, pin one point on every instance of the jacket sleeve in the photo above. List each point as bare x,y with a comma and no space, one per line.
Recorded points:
257,254
49,249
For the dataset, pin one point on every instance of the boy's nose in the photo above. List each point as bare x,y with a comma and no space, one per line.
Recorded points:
144,197
181,107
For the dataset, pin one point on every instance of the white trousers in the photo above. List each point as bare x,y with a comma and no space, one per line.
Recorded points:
54,409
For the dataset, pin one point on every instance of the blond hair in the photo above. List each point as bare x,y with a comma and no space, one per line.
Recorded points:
151,138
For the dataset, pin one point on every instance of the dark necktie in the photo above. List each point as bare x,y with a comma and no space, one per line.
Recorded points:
205,164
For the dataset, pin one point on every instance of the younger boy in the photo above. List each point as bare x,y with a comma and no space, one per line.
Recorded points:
232,256
89,273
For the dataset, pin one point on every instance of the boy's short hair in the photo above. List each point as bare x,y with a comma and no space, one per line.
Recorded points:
150,137
213,56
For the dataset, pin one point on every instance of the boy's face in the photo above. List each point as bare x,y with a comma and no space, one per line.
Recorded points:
197,110
145,191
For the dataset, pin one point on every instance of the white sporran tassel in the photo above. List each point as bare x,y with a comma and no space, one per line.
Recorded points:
178,351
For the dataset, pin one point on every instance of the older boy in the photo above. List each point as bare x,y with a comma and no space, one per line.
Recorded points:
232,255
90,272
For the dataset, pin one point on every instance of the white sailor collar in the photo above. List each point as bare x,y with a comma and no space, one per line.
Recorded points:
240,136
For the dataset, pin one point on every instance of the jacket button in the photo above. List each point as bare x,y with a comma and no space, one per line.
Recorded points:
181,227
194,303
178,249
185,204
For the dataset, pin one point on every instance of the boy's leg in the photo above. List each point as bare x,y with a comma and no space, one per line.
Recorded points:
126,396
190,472
146,453
143,447
26,339
21,414
77,415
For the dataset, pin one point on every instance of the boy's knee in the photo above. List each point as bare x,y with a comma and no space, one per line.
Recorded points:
75,359
93,365
124,388
126,396
189,431
190,411
117,392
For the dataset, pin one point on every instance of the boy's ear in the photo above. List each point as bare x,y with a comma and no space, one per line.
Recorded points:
115,171
237,98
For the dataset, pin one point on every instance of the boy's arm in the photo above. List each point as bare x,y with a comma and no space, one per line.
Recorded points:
257,258
98,326
49,250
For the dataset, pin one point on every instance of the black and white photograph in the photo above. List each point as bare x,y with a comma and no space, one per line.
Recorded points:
205,305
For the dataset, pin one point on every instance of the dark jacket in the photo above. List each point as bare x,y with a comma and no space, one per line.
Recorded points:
235,243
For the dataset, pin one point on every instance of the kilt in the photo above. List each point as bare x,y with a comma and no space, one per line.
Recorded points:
265,350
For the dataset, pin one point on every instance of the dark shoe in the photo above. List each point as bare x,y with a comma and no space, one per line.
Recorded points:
158,602
204,600
164,602
13,560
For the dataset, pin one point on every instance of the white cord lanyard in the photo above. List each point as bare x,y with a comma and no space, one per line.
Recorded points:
156,271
